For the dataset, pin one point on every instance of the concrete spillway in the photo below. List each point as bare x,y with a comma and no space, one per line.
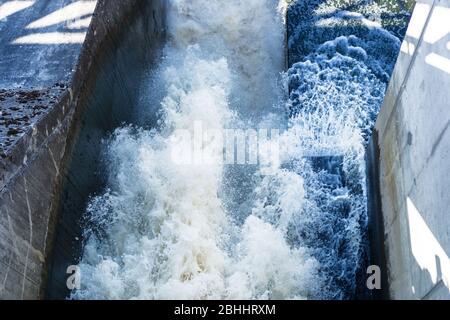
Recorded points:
54,166
409,162
57,167
111,100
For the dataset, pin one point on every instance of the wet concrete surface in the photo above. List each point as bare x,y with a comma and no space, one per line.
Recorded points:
21,109
40,43
47,77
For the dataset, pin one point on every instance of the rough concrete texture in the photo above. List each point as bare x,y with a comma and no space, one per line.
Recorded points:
20,109
40,41
114,99
36,62
413,139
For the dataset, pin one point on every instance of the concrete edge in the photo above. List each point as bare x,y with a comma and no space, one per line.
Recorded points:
30,187
106,27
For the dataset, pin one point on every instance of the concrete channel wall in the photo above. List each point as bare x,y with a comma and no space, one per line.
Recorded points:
114,99
409,161
34,172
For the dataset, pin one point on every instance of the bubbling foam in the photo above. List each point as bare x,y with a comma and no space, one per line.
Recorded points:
341,63
294,229
161,230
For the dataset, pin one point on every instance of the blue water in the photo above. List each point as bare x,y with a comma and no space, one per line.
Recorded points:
293,229
341,56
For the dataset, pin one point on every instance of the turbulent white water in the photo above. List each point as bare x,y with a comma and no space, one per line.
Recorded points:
165,230
162,230
341,63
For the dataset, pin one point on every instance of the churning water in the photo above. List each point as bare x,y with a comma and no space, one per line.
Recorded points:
289,229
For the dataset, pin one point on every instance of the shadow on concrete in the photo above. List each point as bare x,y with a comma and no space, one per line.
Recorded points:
415,126
39,43
111,101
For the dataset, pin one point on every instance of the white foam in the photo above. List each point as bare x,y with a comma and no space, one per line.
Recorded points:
161,231
167,230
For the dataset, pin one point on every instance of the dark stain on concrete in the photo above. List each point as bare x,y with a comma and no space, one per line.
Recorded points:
20,109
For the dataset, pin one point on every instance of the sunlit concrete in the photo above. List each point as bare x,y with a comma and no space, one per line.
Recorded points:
40,42
413,137
439,62
67,13
10,7
408,48
418,19
80,23
426,249
89,85
439,25
52,38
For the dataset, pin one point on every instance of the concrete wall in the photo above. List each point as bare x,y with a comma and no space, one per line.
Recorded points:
41,40
33,173
113,98
410,161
